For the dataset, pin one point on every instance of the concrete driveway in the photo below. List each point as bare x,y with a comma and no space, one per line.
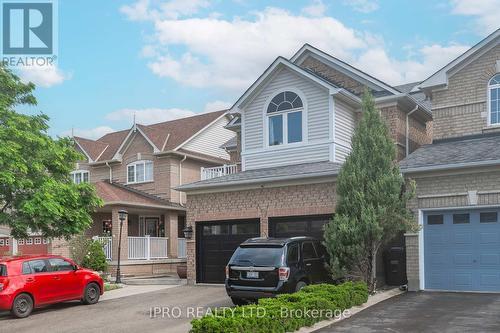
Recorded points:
427,312
129,314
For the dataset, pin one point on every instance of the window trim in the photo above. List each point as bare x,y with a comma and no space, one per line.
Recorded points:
284,114
488,93
134,164
81,172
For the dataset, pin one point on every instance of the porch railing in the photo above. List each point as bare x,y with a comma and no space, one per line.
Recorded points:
147,247
181,248
218,171
107,246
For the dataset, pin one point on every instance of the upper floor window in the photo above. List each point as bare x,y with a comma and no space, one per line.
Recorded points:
494,99
139,172
80,176
284,114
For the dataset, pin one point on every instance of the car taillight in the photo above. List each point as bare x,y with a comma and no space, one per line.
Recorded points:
284,273
227,272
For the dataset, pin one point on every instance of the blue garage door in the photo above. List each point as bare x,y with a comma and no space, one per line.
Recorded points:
462,250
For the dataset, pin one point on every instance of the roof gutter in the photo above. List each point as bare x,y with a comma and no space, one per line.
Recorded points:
133,204
194,187
180,178
451,166
408,130
182,154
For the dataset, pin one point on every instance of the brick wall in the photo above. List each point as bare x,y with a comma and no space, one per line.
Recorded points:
333,75
261,203
461,108
412,261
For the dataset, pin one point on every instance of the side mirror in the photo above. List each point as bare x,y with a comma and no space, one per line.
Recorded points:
75,267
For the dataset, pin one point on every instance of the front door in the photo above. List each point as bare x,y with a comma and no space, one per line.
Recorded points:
151,226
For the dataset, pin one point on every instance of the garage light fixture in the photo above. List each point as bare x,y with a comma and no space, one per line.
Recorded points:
188,232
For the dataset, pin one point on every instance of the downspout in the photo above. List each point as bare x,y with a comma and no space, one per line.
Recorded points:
180,177
408,130
110,173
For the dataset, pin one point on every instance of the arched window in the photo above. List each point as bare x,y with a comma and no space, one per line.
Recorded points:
494,100
140,172
284,114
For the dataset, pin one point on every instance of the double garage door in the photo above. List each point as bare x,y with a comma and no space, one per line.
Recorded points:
462,250
216,241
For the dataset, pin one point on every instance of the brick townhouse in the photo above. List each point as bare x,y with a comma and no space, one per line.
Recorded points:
294,126
137,170
457,202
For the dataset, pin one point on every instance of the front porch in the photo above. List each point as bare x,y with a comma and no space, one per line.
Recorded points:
152,240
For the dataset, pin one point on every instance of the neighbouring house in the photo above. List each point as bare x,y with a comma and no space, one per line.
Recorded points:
457,201
137,170
294,126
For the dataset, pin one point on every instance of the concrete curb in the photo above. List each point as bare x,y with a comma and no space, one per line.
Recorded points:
128,290
372,300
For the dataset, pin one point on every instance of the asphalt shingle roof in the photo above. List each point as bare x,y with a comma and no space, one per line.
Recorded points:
458,151
298,171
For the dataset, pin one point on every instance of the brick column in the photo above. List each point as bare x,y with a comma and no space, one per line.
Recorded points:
191,261
412,262
115,232
171,222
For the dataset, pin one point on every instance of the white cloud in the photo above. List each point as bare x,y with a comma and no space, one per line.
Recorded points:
148,116
486,12
43,76
379,64
92,133
317,8
217,106
230,54
363,6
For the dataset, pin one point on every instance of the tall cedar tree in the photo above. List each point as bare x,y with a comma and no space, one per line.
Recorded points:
372,200
36,192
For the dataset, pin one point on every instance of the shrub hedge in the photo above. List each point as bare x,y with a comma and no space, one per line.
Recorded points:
285,313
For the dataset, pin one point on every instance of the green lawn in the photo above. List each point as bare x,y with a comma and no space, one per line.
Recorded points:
111,286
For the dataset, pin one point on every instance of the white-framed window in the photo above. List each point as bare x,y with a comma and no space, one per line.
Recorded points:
285,119
20,242
80,176
494,100
29,241
45,241
140,172
1,242
38,241
7,242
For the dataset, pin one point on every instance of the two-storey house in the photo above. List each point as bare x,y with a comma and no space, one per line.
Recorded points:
457,202
137,170
294,126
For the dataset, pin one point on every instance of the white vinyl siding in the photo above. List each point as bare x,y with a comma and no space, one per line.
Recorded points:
316,104
295,155
345,123
209,141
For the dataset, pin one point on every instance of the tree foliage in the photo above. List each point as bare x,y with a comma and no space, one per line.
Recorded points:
371,208
36,192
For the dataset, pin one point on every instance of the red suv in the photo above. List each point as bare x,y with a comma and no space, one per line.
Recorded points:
27,282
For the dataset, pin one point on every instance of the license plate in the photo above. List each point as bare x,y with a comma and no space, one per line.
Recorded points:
253,275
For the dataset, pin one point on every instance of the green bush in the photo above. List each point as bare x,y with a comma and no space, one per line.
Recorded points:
285,313
95,258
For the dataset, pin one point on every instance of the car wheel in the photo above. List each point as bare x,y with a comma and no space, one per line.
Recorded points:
300,285
91,294
238,301
22,306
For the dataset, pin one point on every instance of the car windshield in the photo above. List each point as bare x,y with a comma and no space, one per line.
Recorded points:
257,256
3,270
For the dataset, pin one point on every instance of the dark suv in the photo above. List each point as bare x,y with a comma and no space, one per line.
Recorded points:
264,267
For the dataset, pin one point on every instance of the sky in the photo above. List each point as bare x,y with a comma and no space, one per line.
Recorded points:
161,60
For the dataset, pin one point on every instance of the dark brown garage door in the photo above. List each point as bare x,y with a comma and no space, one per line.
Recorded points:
292,226
216,242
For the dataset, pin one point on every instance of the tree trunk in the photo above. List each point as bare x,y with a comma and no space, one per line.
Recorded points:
372,278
